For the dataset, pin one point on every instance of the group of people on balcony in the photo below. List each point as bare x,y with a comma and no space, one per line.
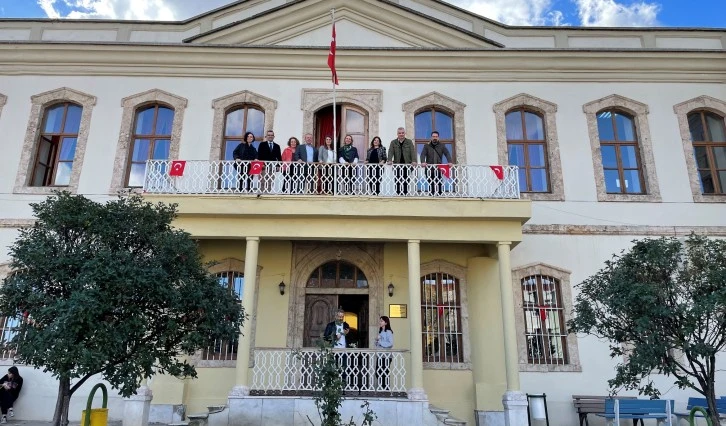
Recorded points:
301,176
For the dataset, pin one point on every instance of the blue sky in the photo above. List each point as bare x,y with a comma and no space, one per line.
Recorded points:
669,13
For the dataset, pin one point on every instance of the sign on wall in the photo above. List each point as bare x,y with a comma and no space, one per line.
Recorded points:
397,311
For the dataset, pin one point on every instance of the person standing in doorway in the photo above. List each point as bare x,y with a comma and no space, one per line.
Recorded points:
307,155
269,152
401,152
335,333
434,153
383,362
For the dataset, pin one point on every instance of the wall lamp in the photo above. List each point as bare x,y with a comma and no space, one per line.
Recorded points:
391,287
281,286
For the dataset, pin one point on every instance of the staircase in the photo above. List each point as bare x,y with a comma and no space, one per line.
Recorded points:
443,416
216,415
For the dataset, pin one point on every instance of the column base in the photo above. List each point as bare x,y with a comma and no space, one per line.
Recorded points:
417,394
515,408
137,407
239,391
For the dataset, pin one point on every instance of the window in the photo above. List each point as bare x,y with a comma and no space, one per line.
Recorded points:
545,330
151,140
527,149
9,330
441,316
435,111
622,150
543,298
55,142
226,350
238,121
619,151
430,119
338,274
708,134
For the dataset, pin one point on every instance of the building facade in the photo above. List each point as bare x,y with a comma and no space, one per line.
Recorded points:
604,136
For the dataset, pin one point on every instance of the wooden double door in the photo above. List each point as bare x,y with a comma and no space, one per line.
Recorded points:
320,310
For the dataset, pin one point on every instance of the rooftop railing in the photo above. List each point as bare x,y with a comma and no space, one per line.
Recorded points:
320,179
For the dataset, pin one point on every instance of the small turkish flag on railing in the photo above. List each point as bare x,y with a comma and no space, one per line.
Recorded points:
331,58
177,168
256,167
498,171
445,170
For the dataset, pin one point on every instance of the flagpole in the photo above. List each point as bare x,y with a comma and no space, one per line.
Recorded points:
335,120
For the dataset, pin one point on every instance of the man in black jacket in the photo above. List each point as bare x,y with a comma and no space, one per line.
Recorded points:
268,151
337,328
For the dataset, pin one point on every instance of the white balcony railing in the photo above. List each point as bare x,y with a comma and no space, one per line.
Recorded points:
288,371
363,180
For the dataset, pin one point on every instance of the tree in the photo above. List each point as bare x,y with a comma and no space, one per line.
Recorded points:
111,289
662,304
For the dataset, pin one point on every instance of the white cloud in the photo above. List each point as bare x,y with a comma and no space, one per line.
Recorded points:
609,13
514,12
47,6
158,10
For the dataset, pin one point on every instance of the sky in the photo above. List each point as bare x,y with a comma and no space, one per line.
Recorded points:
621,13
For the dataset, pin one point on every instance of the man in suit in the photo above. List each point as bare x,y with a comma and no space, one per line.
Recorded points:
307,154
269,151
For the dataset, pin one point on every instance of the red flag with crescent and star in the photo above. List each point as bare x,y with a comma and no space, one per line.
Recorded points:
177,168
256,167
498,172
445,170
331,58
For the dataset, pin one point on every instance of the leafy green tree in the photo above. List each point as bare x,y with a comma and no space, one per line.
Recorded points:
662,304
111,289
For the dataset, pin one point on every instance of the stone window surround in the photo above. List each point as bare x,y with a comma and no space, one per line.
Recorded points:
371,101
308,256
563,276
224,104
548,112
5,270
3,101
130,106
682,109
27,159
231,264
639,111
446,267
437,100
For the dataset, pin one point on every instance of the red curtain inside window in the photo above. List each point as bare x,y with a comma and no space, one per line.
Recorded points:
325,125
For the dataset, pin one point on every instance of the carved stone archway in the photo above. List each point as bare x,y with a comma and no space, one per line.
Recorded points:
369,100
308,256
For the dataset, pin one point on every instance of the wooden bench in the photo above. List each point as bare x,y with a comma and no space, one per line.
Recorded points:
638,409
701,402
594,404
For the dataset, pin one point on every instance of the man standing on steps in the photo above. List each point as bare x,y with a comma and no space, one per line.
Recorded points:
269,151
401,151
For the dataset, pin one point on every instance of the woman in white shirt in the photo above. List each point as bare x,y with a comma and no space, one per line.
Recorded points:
326,155
384,341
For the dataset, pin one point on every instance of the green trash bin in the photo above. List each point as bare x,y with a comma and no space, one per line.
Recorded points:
99,416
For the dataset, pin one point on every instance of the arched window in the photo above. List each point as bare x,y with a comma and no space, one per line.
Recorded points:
432,118
56,146
544,320
621,163
708,134
337,274
527,149
239,120
151,140
226,350
441,316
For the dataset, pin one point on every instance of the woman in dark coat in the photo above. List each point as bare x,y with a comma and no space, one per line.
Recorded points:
10,385
245,151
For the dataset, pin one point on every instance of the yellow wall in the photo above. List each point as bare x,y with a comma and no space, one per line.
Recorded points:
452,390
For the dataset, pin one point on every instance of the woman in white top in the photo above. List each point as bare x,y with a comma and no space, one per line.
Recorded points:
326,154
384,341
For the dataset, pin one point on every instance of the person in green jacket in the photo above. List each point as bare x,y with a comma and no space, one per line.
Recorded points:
400,152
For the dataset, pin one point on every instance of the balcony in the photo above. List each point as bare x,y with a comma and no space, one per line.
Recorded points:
256,178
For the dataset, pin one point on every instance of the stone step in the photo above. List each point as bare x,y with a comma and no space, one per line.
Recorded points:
436,410
183,423
454,421
213,409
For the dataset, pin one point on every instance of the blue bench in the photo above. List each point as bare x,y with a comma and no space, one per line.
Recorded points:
638,409
701,402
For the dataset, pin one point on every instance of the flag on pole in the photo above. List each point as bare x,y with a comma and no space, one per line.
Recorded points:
331,58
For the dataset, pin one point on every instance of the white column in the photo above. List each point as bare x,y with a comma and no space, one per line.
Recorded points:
242,384
514,401
414,313
137,407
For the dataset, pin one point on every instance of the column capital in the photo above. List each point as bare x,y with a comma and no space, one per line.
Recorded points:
504,243
252,238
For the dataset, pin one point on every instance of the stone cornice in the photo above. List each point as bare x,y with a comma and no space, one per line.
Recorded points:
571,65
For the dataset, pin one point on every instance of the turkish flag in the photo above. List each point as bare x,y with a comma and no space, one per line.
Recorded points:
445,169
331,58
543,313
177,168
498,171
256,167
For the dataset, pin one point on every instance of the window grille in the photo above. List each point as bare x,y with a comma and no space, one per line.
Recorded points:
544,321
441,317
226,350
